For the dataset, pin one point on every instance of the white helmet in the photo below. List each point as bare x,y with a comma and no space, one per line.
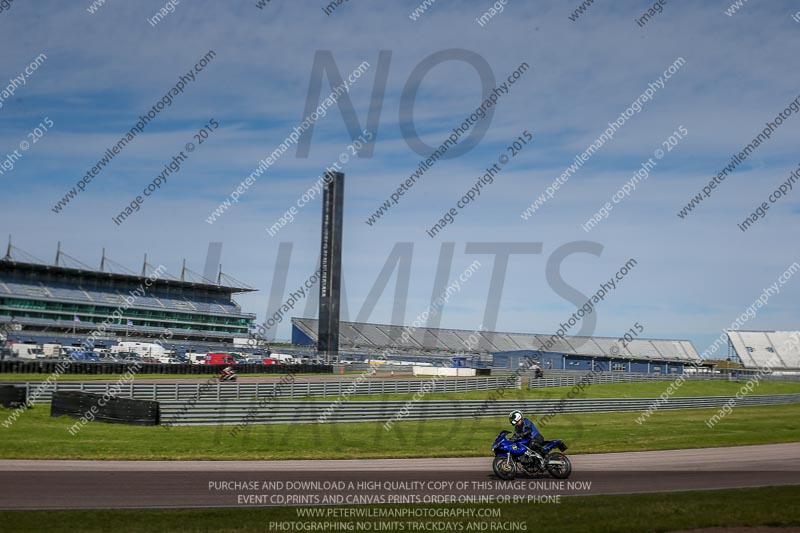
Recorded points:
515,417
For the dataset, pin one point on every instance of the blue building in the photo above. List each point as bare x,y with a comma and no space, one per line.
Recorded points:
598,362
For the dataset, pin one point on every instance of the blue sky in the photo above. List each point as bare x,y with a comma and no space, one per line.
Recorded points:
694,275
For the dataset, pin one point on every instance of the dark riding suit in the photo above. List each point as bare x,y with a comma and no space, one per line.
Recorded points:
529,435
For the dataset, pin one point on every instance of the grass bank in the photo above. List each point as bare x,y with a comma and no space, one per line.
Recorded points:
35,435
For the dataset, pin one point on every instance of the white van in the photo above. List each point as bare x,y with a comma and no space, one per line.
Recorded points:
144,349
27,351
197,358
284,358
52,351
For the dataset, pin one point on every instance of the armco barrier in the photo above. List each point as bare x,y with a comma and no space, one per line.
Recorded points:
293,412
50,367
106,409
214,390
622,377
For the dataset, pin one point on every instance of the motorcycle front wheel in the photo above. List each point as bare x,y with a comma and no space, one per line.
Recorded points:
503,468
562,470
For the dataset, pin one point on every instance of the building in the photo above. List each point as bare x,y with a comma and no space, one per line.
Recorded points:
510,350
779,350
57,302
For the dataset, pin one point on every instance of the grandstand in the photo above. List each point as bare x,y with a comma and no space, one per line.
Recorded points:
508,350
758,349
59,300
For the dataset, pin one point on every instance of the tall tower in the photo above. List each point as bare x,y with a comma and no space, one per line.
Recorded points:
330,281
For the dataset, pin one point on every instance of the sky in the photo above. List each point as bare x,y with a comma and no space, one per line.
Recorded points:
106,65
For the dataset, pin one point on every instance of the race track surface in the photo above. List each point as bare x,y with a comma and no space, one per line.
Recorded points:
30,484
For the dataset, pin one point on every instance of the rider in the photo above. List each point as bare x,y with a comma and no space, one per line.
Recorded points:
228,373
524,430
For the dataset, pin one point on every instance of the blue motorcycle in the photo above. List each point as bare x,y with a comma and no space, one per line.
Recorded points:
516,456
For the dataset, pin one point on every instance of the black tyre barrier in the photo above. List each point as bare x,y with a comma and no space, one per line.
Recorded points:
105,408
12,397
483,372
50,367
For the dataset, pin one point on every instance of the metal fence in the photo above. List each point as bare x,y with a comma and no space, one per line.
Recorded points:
238,412
611,377
216,391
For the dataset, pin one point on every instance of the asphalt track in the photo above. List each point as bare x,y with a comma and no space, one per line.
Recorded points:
31,484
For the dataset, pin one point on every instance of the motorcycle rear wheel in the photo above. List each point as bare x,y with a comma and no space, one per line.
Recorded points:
503,469
559,471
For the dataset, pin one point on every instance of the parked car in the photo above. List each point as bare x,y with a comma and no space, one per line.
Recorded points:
83,357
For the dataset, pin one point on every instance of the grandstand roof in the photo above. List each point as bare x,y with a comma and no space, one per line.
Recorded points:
758,349
381,336
10,266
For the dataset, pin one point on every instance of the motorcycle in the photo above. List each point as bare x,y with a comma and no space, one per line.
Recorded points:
227,376
515,457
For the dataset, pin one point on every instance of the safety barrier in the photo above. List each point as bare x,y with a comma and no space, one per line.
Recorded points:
610,377
12,396
214,390
294,412
104,408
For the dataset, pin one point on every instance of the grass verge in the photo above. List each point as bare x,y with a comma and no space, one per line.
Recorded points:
768,506
35,435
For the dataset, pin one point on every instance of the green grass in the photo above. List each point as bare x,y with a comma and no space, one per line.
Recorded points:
36,435
767,506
